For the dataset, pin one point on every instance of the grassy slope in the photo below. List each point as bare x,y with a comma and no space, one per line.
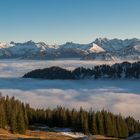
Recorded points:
4,134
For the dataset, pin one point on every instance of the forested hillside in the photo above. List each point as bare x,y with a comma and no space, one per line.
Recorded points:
17,117
123,70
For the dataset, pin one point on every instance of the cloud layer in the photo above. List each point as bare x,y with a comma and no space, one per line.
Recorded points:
118,96
17,68
124,103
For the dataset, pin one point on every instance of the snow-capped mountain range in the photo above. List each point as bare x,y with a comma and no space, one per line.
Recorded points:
100,49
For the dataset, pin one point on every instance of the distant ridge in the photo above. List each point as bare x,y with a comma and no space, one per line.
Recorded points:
100,49
123,70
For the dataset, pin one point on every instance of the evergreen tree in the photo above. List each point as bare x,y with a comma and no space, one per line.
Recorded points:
21,128
13,122
2,116
101,122
108,124
93,124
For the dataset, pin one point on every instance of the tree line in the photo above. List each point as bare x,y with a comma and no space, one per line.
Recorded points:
13,115
124,70
17,117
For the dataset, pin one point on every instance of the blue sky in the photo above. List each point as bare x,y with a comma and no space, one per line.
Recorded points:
59,21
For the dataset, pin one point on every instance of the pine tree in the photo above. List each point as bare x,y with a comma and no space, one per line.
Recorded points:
93,124
21,126
114,126
85,126
108,124
100,123
13,122
2,116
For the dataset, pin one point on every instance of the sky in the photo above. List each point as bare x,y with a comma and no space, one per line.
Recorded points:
60,21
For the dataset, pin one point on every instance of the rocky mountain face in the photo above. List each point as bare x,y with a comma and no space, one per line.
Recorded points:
100,49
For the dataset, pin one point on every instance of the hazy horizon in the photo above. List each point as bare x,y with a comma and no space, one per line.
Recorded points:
46,42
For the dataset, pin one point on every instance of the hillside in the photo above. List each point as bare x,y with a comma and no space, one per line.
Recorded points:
34,135
46,135
17,117
123,70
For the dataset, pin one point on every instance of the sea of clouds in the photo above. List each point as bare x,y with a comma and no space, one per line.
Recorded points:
118,96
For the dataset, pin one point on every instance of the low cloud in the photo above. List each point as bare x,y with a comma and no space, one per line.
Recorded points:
124,103
17,68
118,96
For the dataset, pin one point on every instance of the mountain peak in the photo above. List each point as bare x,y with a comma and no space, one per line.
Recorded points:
101,39
12,42
96,49
100,48
30,42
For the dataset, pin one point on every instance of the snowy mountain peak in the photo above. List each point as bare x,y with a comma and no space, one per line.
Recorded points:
137,48
101,48
12,42
101,39
96,49
4,45
29,43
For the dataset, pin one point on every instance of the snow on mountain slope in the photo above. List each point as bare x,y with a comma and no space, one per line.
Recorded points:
4,45
116,44
101,48
97,49
22,48
28,49
71,45
137,48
